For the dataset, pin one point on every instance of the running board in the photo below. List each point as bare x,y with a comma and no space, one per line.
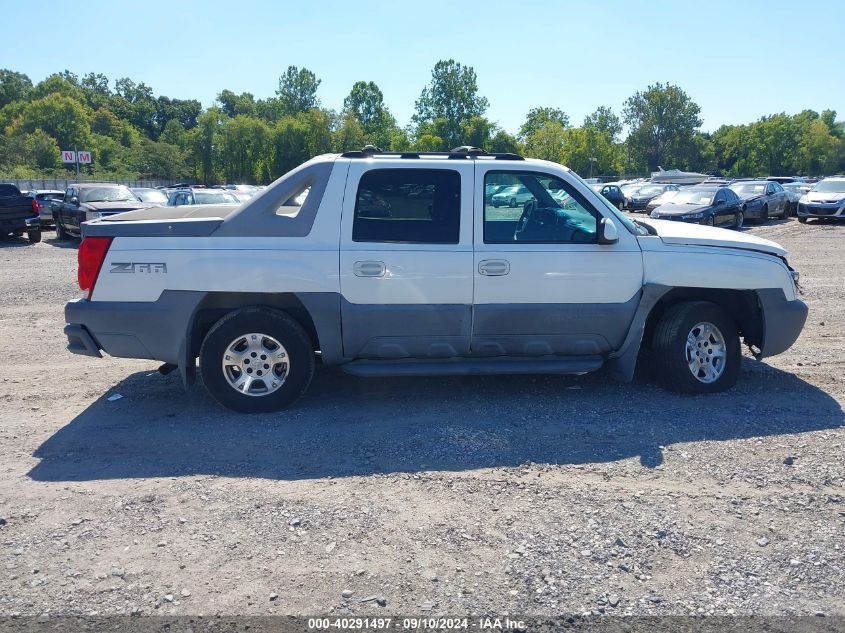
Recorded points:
473,366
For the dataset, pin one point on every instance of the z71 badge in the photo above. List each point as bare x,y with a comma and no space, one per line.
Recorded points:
138,267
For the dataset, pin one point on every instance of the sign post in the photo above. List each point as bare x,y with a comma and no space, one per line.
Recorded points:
76,157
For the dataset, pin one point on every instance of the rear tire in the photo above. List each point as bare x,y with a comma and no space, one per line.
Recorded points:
802,220
696,348
34,236
739,219
764,214
292,365
61,234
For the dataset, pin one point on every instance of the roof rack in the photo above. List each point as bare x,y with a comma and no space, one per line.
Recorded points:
459,153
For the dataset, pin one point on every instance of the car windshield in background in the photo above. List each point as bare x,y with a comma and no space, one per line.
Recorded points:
830,186
751,189
649,191
152,196
691,196
629,190
214,198
107,194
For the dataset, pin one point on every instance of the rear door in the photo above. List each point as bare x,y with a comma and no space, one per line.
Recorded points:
406,258
543,284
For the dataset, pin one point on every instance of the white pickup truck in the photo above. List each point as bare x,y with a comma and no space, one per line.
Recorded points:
393,264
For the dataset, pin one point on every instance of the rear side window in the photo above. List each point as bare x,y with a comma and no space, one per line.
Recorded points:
408,205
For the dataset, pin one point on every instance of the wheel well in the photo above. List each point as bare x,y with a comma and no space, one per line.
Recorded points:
218,304
742,306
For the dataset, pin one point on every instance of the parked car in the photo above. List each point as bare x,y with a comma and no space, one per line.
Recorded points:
88,201
825,200
785,179
662,199
182,197
490,189
762,199
703,204
638,201
794,191
44,199
421,292
512,196
18,214
629,189
613,193
153,197
242,192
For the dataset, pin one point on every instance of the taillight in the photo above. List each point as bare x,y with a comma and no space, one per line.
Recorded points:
35,206
92,253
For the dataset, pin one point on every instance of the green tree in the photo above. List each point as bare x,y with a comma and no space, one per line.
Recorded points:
298,91
14,86
604,121
42,150
452,95
547,142
537,118
662,121
205,141
60,116
245,151
233,104
366,102
350,135
502,142
477,132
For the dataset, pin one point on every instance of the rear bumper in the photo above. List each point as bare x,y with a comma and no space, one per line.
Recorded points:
155,330
783,320
20,224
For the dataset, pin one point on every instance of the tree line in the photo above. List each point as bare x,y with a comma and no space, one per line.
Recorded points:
135,134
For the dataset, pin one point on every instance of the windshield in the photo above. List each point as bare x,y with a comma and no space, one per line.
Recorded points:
633,228
750,189
214,198
628,190
119,193
692,196
650,190
151,196
830,186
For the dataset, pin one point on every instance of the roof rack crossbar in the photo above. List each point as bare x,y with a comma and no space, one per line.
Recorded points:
459,153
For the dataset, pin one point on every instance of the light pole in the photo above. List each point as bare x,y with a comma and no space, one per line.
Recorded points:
592,160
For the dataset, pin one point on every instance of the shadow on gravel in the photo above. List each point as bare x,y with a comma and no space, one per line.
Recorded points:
352,426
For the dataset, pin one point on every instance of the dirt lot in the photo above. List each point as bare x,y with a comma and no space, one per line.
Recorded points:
442,496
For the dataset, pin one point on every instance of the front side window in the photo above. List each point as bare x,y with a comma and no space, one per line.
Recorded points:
537,208
409,206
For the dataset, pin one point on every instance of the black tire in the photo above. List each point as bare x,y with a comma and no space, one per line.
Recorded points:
512,203
274,323
620,206
802,220
764,215
34,236
739,220
709,220
61,234
669,345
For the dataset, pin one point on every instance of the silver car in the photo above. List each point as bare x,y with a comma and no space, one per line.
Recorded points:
512,196
44,200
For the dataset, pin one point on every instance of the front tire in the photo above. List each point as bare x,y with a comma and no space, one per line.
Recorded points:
739,219
696,348
512,203
802,220
257,360
34,236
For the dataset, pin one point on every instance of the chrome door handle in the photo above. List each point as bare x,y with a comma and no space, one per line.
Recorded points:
494,267
369,269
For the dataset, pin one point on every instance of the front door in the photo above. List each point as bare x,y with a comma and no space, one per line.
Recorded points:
406,259
543,284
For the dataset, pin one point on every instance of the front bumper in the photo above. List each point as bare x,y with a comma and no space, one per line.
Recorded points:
678,218
783,320
821,210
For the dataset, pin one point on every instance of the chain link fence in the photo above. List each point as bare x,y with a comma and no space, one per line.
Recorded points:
60,184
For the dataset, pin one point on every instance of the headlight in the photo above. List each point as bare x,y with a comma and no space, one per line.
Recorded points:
803,199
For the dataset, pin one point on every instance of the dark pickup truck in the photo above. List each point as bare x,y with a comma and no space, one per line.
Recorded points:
18,214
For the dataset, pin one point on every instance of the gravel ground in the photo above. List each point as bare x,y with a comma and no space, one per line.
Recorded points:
530,495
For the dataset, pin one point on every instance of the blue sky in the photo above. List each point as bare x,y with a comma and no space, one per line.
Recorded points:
738,60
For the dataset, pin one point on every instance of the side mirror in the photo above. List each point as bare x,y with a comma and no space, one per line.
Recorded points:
607,232
719,202
74,201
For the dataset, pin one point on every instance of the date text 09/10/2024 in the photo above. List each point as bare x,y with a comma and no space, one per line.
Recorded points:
416,623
